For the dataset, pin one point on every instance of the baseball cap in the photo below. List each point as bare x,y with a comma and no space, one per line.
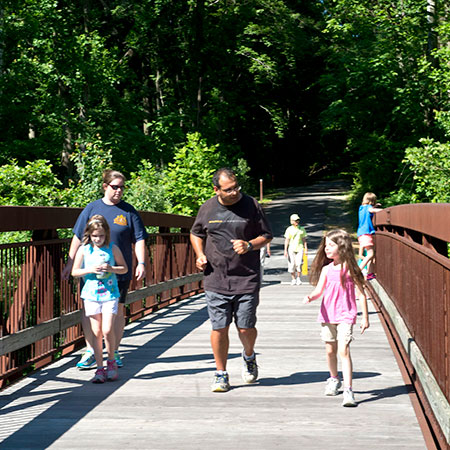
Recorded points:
295,217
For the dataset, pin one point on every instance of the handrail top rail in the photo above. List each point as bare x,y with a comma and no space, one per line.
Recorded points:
443,261
431,219
25,218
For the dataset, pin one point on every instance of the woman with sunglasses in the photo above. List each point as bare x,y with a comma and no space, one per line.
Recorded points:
126,229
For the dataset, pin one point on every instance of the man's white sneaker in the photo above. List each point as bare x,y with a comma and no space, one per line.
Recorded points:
332,386
299,281
220,383
250,370
349,398
293,282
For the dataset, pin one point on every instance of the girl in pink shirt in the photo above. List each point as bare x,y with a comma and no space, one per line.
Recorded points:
337,276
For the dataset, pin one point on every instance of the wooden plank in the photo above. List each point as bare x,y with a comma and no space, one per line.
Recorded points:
157,288
33,334
54,217
165,385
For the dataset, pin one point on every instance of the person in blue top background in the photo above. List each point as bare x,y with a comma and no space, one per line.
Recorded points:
126,229
98,261
365,233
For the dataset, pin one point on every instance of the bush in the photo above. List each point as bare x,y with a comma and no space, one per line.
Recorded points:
189,176
430,165
31,185
146,189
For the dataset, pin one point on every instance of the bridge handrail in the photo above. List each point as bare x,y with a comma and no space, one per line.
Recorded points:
39,311
31,218
413,269
424,218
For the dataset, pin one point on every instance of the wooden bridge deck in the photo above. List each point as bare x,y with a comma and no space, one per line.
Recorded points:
162,399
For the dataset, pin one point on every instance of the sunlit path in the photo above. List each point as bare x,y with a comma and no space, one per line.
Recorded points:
162,399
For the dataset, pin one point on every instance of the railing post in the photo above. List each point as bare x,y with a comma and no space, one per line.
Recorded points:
32,289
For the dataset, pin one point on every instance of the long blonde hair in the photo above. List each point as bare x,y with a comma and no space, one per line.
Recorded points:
346,258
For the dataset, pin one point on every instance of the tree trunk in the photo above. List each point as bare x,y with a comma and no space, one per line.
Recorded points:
160,98
31,131
1,43
432,35
199,50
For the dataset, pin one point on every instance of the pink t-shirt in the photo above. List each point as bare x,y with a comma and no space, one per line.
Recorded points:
338,303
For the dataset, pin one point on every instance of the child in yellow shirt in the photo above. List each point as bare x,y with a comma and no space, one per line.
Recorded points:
294,246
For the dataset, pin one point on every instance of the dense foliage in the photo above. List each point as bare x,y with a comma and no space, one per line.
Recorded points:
166,91
384,86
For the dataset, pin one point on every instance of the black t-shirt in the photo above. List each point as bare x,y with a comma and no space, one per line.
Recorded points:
226,271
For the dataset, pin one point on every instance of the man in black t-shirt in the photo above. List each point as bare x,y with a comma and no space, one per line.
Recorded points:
228,229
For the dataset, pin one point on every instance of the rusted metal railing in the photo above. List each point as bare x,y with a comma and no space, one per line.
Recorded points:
39,311
413,268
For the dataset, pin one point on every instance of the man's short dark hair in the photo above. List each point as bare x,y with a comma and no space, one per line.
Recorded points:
229,173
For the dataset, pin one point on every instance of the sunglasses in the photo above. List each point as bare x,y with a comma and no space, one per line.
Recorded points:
115,187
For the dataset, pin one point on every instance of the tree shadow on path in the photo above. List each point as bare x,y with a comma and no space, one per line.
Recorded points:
57,410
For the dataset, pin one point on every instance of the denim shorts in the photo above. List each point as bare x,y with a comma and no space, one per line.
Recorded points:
222,308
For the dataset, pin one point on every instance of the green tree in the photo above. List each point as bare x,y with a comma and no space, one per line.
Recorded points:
334,85
430,165
146,189
189,176
31,185
90,161
377,92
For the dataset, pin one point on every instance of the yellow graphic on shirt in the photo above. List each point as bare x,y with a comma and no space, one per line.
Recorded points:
215,221
121,220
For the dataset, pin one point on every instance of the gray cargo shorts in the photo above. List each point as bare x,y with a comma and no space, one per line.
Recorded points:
222,308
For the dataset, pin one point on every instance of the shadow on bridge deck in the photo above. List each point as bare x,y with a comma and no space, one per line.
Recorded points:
162,399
